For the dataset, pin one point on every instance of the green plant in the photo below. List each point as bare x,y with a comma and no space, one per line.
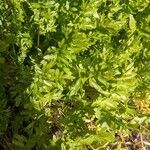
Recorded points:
76,68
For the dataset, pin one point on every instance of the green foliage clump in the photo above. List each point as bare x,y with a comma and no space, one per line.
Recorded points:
71,72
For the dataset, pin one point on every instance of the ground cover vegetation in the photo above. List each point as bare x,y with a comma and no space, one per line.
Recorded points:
74,74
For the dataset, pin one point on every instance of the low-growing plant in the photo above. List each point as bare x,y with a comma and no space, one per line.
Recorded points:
73,73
